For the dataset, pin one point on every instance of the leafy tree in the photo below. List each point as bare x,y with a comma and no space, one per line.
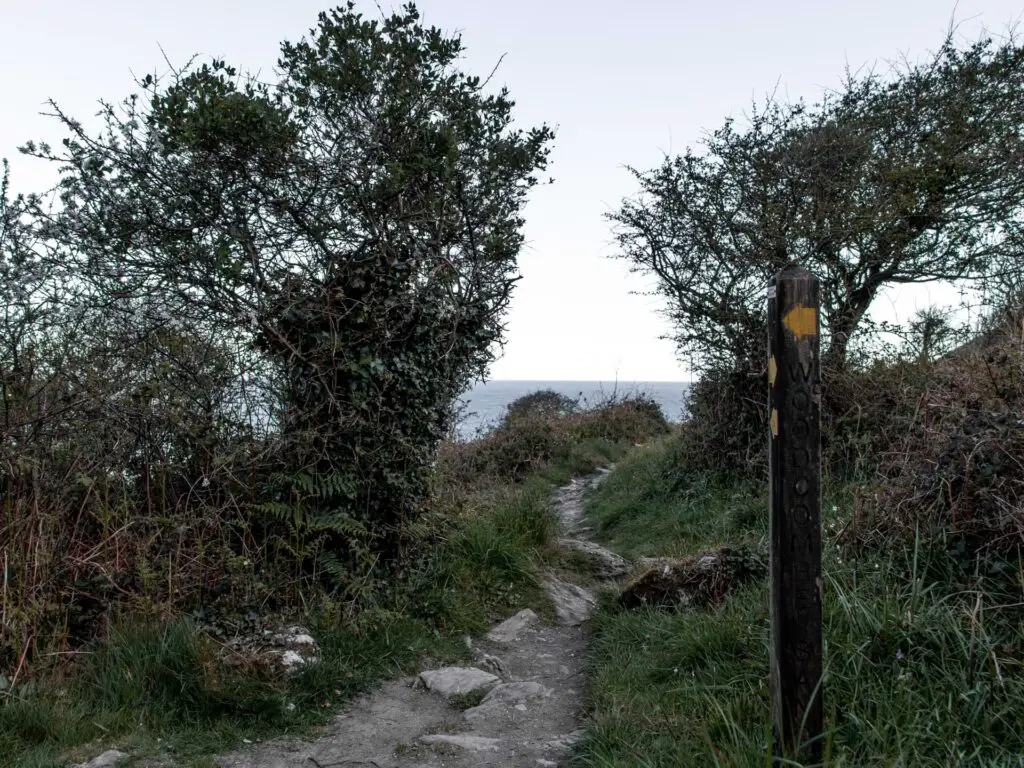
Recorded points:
355,225
906,179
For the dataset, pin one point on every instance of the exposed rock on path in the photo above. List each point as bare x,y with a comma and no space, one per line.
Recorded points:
529,677
458,681
513,627
604,563
573,603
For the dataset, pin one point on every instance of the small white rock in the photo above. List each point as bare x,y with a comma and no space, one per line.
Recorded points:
292,659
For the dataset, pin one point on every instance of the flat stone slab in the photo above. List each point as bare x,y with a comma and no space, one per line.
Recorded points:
458,681
506,696
573,603
465,741
512,628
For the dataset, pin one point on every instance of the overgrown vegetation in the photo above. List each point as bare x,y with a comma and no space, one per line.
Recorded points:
923,622
919,672
233,333
155,686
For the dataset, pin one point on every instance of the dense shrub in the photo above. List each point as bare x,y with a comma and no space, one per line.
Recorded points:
955,461
727,424
635,418
863,411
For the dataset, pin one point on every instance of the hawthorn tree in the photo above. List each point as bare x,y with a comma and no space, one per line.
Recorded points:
891,180
355,223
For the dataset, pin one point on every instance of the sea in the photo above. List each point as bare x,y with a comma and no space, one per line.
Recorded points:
485,404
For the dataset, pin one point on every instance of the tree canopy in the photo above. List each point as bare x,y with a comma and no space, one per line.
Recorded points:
907,177
347,233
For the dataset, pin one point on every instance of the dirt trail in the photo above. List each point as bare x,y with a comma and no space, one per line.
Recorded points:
529,717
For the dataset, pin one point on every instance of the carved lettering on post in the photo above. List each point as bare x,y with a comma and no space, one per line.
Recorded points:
794,402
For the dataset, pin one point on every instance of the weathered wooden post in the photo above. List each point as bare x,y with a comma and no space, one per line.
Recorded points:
794,407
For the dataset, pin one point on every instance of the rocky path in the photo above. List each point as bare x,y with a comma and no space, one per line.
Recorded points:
524,694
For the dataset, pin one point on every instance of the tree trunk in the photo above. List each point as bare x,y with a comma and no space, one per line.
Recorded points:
842,325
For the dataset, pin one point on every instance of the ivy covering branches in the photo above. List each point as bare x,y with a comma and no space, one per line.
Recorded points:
346,235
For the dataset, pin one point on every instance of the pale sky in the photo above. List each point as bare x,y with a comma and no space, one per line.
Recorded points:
623,82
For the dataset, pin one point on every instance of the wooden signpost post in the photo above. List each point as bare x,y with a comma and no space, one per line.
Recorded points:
794,405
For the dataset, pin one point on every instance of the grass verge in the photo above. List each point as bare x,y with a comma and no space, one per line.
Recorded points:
924,651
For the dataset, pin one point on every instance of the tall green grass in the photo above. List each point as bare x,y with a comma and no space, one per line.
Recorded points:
651,507
924,654
144,683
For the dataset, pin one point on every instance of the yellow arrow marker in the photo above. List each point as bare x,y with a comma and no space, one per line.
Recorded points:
772,370
775,422
801,321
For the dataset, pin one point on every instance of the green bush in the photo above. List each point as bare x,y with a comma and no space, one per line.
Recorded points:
265,430
543,403
727,422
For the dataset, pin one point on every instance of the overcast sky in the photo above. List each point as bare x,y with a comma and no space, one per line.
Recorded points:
622,81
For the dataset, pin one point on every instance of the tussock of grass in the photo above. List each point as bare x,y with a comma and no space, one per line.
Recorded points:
924,654
649,507
485,567
657,676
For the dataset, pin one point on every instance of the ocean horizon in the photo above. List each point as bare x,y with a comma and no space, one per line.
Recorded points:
485,404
